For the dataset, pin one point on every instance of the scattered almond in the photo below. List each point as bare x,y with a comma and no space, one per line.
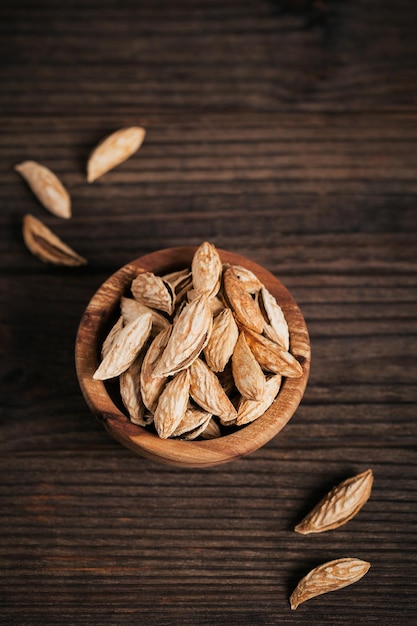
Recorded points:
113,150
330,576
339,506
44,244
47,188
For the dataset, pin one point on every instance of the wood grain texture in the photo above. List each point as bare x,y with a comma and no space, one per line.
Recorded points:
287,133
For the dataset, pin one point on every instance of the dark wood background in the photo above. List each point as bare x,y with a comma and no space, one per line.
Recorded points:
283,131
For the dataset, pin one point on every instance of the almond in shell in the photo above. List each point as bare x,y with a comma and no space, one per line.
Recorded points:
272,357
47,188
131,309
328,577
152,386
192,424
172,404
154,292
111,337
207,392
249,410
45,245
339,506
276,324
131,393
249,281
211,430
206,269
246,310
247,373
222,341
113,150
189,336
125,349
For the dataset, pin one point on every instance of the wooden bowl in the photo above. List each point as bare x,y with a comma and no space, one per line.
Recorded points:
96,322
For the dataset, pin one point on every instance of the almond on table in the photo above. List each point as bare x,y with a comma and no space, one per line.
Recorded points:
45,245
328,577
47,188
339,506
114,150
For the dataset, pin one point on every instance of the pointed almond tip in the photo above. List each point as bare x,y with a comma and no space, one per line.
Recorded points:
19,167
66,212
90,177
298,369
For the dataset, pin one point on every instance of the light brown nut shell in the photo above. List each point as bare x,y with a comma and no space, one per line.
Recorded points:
206,269
188,338
207,392
125,349
211,430
131,309
249,410
47,188
45,245
131,394
111,337
113,150
276,324
247,373
246,310
153,292
272,357
152,386
328,577
172,404
339,506
222,341
192,423
249,281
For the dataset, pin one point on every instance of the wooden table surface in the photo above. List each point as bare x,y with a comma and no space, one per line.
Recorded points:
283,131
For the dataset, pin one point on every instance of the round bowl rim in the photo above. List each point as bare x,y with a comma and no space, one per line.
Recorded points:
197,453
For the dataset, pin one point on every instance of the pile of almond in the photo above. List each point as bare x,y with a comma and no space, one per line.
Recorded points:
199,349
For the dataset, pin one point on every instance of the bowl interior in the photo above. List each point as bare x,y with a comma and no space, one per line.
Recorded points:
96,322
